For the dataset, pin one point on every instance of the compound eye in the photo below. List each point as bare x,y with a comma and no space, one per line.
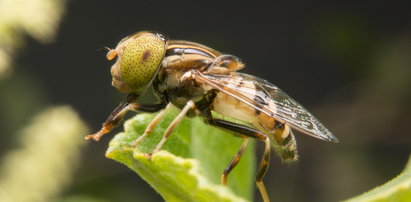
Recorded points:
111,54
140,59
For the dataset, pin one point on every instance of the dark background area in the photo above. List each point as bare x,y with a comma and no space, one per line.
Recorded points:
348,62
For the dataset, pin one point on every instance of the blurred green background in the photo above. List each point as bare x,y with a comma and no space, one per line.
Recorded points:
348,62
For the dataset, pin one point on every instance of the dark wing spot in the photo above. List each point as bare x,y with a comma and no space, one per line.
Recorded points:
260,98
260,102
146,55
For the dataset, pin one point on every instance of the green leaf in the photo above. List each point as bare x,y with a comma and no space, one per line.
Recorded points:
398,189
189,166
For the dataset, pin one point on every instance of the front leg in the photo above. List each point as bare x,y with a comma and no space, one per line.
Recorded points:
117,115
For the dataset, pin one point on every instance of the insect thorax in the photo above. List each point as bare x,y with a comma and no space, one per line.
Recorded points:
169,86
181,57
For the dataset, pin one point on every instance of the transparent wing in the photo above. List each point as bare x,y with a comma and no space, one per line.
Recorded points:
254,91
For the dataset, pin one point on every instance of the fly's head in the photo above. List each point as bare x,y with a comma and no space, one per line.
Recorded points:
138,59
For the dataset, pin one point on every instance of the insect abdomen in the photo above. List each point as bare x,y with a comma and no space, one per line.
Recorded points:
283,140
231,107
280,134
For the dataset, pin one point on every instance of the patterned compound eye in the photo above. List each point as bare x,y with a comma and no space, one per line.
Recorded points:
139,57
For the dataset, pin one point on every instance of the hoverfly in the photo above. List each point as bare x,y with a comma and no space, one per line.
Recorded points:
199,80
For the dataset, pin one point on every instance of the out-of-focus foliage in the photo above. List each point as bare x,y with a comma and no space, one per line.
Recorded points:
371,114
43,165
81,198
396,190
190,167
38,18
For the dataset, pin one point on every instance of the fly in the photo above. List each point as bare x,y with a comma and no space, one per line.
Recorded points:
200,80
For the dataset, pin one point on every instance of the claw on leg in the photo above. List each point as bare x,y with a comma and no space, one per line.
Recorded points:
114,119
97,136
117,115
148,156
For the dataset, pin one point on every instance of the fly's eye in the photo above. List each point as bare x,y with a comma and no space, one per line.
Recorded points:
111,54
141,57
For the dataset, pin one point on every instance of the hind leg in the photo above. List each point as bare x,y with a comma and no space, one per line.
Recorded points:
249,132
234,161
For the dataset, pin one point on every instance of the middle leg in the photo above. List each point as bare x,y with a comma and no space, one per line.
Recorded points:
190,105
152,124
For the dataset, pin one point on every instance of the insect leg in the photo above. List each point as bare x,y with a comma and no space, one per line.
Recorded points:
116,116
234,161
187,107
250,132
262,170
152,124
